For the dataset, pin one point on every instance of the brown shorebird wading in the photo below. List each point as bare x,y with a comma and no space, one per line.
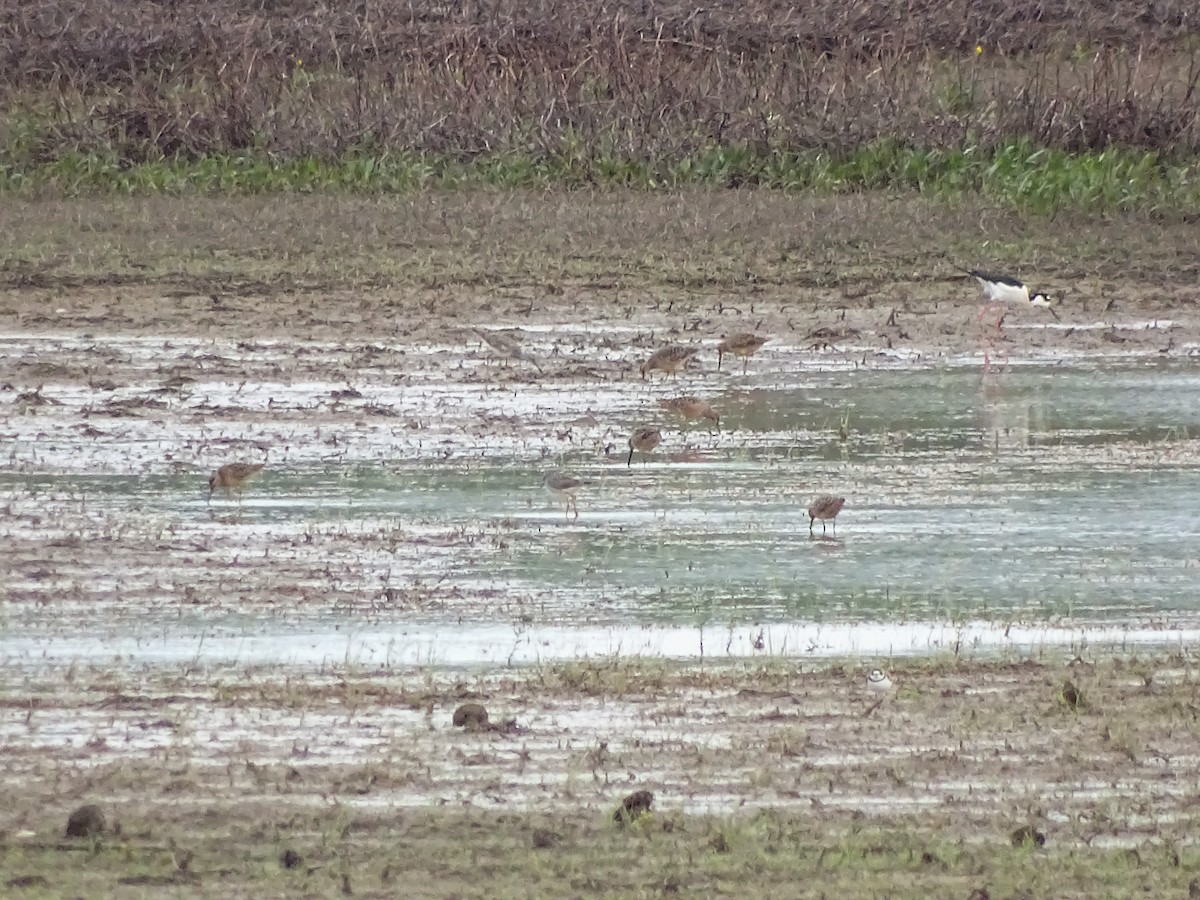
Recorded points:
691,408
564,484
506,346
669,359
643,440
743,344
232,477
825,508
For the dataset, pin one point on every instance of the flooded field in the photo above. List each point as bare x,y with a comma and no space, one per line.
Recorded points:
259,688
400,516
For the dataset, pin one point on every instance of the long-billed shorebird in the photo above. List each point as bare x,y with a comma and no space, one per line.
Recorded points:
669,359
744,344
826,508
691,408
564,485
1000,290
505,346
232,477
643,440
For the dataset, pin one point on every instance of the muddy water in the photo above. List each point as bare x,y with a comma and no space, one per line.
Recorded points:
400,518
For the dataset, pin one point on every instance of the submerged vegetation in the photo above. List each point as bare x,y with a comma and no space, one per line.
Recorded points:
1093,109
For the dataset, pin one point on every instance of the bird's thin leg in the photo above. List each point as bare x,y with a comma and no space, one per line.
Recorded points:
745,362
576,504
810,524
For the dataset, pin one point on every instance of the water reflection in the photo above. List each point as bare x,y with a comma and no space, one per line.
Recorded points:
1032,495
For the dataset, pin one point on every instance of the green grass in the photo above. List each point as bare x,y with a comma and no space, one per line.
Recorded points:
443,853
1019,174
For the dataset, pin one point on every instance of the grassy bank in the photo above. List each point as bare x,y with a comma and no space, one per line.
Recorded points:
234,851
768,781
1020,174
1082,109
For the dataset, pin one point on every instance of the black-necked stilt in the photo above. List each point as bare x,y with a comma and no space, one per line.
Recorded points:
564,484
1003,289
826,508
744,344
643,440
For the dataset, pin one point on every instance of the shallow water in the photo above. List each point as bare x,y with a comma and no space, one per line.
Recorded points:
1039,505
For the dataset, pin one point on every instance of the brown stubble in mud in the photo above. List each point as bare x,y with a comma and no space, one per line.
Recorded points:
868,271
765,767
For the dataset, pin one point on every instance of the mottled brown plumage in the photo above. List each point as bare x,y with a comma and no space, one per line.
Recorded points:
691,408
643,440
743,344
564,484
232,477
506,346
826,508
669,359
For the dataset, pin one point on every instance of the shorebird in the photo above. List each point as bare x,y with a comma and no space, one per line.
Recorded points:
878,680
999,290
669,359
643,440
691,408
743,344
564,484
825,507
507,347
232,477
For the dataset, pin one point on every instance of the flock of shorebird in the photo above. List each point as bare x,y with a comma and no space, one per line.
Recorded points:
998,291
645,438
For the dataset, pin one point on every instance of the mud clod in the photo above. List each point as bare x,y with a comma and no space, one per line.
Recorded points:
1071,695
27,881
471,716
1027,834
632,807
290,859
87,821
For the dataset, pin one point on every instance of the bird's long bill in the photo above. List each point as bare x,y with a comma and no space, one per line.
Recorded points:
720,356
1053,313
629,462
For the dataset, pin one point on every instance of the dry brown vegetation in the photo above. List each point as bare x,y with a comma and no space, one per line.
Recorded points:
571,80
247,781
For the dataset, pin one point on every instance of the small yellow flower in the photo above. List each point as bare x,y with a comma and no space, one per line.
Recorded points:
978,49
